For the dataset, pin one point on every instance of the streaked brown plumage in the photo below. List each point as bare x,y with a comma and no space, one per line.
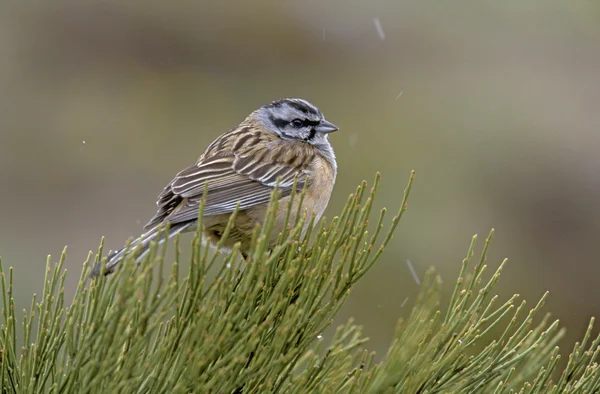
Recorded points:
281,140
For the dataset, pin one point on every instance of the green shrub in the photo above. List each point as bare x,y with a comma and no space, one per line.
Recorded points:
254,328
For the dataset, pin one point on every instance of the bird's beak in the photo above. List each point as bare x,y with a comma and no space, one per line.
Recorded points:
326,127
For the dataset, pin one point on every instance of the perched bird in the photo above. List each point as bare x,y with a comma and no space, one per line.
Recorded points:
282,140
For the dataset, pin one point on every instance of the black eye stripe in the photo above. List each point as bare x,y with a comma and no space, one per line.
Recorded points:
304,122
278,122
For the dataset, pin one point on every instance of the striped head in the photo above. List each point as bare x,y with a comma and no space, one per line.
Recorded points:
295,119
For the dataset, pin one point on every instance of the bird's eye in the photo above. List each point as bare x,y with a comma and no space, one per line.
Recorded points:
297,123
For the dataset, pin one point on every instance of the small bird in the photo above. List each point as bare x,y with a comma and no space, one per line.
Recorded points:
284,140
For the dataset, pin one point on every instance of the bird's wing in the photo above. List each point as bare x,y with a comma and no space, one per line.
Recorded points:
246,172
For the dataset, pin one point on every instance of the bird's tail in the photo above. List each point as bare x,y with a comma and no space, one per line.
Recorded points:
141,246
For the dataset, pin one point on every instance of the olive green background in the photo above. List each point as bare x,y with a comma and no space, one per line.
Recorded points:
495,104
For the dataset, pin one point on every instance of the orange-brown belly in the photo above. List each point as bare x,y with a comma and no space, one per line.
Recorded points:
317,196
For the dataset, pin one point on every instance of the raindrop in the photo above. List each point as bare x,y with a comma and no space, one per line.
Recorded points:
379,28
413,272
319,336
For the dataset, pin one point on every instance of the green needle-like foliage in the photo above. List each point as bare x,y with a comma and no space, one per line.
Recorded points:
228,326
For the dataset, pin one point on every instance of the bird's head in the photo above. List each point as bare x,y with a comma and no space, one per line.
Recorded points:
295,119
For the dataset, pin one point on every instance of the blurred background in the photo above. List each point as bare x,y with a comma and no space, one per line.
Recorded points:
496,105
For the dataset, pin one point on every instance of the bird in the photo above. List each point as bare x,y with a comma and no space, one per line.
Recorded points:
280,143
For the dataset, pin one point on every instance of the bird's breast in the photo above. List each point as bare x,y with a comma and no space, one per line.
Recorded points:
322,179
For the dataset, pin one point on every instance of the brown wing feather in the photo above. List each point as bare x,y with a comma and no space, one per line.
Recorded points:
239,167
